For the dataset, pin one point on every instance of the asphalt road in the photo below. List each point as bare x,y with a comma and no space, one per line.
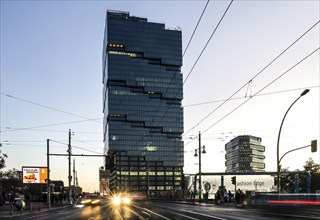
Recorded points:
168,210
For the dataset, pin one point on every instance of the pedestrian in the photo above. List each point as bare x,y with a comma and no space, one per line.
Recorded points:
230,195
225,196
217,197
237,196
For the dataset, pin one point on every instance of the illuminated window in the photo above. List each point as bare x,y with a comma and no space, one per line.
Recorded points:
123,53
116,45
133,173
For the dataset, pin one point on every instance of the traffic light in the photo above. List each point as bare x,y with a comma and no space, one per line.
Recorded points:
314,146
234,180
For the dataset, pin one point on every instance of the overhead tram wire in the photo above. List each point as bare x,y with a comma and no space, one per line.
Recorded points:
254,76
74,146
237,98
229,113
55,109
214,31
249,98
175,73
186,49
50,125
194,65
35,128
205,46
194,31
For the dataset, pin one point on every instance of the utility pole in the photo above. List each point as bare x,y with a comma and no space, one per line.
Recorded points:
74,175
48,180
196,154
69,158
200,166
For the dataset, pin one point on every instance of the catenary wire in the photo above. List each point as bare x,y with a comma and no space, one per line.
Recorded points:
200,55
233,110
236,98
75,147
175,73
207,43
186,49
41,126
229,113
185,106
256,75
44,106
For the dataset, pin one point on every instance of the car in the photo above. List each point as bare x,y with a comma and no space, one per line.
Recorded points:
90,199
121,199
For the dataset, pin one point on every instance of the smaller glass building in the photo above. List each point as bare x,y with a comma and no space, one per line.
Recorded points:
245,154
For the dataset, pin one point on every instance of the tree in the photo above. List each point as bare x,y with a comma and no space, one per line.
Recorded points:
287,181
2,159
312,166
11,179
12,174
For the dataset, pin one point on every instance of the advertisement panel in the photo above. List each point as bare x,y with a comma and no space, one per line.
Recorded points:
35,175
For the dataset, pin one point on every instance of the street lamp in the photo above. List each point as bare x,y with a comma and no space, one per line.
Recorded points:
196,154
278,162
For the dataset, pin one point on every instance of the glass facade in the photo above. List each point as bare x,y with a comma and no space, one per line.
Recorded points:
245,154
142,94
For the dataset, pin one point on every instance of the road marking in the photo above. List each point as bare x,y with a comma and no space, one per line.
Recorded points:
196,213
189,217
116,210
156,214
133,212
146,213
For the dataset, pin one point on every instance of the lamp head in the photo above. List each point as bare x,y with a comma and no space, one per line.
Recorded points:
305,92
204,149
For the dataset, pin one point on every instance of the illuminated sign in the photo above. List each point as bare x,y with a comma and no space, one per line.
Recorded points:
35,175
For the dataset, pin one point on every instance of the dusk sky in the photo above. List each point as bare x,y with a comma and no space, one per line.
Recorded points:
240,77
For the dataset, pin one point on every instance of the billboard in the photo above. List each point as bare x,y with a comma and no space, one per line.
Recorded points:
35,175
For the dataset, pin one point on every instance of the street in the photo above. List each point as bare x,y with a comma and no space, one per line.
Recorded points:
167,210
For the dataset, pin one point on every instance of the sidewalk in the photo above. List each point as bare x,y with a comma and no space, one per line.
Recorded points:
10,211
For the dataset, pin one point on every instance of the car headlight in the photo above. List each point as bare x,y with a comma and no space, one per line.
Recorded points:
116,200
95,202
86,201
126,200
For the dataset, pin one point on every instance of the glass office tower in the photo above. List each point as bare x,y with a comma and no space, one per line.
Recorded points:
245,154
143,115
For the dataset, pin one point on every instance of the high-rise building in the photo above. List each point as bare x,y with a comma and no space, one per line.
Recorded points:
245,154
143,115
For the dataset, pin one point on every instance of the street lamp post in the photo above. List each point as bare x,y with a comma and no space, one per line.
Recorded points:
278,161
196,154
149,149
